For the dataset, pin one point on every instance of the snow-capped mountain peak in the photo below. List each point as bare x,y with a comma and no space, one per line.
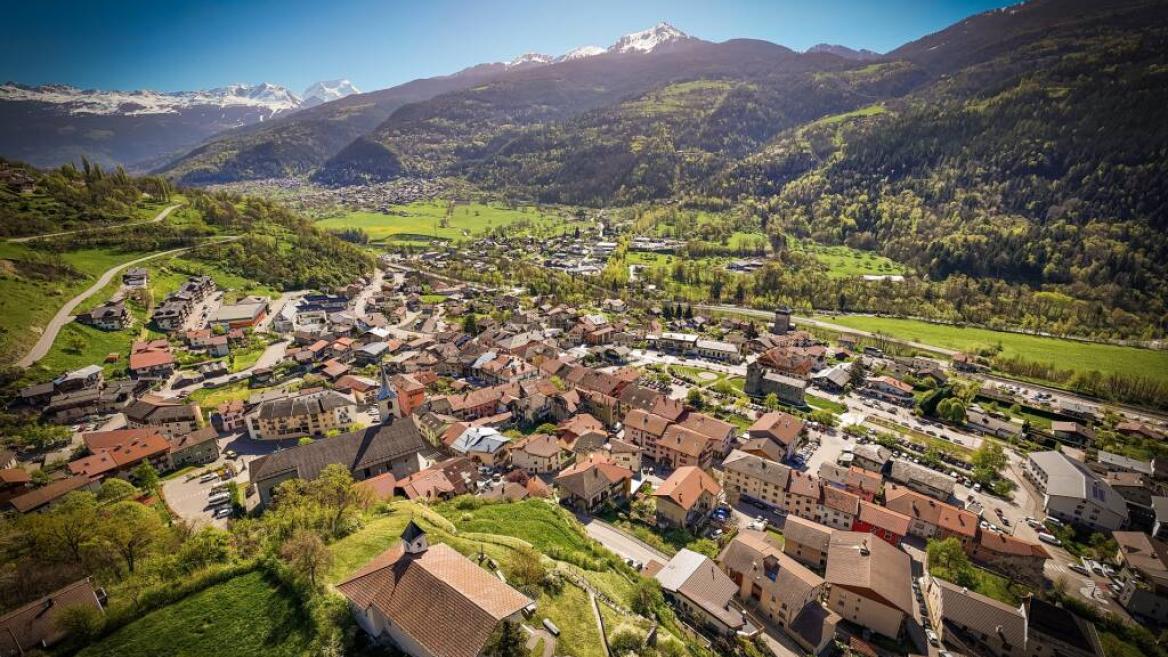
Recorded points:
328,90
529,58
580,53
647,41
269,98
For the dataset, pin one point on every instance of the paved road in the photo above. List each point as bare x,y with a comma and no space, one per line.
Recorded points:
64,315
625,546
157,218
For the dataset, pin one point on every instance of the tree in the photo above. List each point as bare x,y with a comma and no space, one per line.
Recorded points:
646,597
625,641
305,440
951,410
40,437
115,490
771,402
469,325
949,561
527,567
130,530
695,398
824,417
63,532
80,622
333,489
509,640
146,476
306,554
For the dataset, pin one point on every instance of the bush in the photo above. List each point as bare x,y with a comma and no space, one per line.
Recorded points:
81,622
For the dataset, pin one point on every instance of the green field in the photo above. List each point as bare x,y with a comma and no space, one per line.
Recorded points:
846,262
424,221
242,617
1066,354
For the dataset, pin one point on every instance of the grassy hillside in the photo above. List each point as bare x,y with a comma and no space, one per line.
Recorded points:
242,617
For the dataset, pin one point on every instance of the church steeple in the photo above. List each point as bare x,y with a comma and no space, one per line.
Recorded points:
414,539
387,401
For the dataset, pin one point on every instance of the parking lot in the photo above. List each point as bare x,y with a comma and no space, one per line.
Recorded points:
188,494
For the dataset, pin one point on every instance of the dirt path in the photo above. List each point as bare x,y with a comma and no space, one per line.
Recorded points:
549,641
157,218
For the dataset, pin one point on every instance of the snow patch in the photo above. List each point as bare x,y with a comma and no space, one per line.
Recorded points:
646,41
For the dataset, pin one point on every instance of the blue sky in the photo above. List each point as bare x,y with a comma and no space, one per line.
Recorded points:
174,45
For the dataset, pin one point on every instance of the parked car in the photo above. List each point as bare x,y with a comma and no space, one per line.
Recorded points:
932,636
1078,568
1049,538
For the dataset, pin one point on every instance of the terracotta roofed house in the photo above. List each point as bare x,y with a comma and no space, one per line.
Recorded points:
686,498
429,600
781,428
695,586
593,481
36,625
870,582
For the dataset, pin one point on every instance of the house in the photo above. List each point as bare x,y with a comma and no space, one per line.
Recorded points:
807,542
313,414
1144,572
1073,493
701,593
1054,631
624,454
36,626
538,454
882,522
398,447
483,445
965,617
987,424
45,497
594,482
168,416
859,482
778,588
869,582
151,360
1072,433
780,428
930,518
686,498
889,389
755,480
429,600
245,313
871,457
121,457
725,352
135,277
110,316
198,447
1011,556
760,383
923,479
230,415
680,446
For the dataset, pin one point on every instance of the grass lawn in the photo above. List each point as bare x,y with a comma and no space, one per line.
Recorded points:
1066,354
998,587
846,262
95,345
615,621
242,617
570,611
422,221
826,404
212,397
241,359
432,298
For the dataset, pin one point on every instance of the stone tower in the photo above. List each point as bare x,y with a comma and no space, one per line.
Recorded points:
782,320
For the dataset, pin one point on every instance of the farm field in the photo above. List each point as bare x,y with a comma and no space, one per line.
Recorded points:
1068,354
846,262
244,616
422,221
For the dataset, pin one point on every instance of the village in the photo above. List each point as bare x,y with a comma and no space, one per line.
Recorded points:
777,486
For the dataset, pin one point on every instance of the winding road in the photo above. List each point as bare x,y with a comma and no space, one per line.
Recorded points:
157,218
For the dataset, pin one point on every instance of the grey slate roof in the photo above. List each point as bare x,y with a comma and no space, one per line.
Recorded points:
355,450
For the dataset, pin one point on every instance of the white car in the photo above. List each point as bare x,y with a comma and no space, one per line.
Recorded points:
1049,538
